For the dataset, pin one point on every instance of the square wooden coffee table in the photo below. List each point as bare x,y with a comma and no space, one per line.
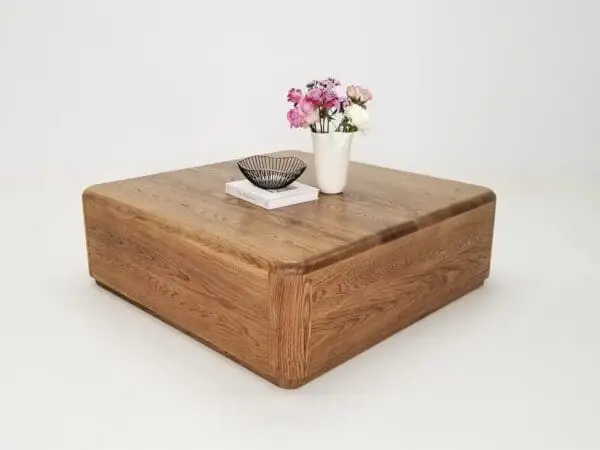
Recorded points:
293,292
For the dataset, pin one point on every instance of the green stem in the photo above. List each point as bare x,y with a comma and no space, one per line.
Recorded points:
321,120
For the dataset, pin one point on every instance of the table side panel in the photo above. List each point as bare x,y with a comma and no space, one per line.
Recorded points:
364,299
211,296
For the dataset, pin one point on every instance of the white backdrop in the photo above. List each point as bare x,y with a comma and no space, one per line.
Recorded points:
503,93
124,87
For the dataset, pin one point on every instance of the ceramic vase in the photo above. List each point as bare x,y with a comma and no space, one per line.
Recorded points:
332,158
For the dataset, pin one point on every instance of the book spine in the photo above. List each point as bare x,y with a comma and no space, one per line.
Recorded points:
248,196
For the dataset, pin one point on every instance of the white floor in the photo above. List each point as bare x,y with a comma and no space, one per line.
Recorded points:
515,365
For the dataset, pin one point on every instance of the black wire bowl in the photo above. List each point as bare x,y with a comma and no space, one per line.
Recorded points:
268,172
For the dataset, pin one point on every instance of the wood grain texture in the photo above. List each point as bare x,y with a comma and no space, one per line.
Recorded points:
214,298
378,205
360,301
289,335
293,292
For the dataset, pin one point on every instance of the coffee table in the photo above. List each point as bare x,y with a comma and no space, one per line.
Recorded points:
293,292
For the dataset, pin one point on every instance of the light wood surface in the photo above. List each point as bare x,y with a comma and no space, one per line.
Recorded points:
370,296
289,293
207,293
379,204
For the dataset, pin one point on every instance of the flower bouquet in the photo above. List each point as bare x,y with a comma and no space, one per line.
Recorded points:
333,115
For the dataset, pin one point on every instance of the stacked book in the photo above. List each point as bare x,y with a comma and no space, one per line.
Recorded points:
271,199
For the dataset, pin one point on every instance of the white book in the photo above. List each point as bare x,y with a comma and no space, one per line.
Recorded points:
291,195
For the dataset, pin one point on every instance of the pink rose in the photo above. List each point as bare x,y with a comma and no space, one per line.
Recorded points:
315,95
324,98
309,111
330,99
295,118
304,114
294,96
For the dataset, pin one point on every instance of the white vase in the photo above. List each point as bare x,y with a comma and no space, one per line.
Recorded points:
332,157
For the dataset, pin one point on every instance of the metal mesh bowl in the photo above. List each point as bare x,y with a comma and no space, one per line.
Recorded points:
271,173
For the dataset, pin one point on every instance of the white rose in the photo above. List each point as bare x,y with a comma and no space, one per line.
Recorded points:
358,116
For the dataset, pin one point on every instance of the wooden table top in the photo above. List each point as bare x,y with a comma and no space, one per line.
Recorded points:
378,205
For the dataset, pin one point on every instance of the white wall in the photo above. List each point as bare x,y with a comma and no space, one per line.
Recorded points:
122,87
511,85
